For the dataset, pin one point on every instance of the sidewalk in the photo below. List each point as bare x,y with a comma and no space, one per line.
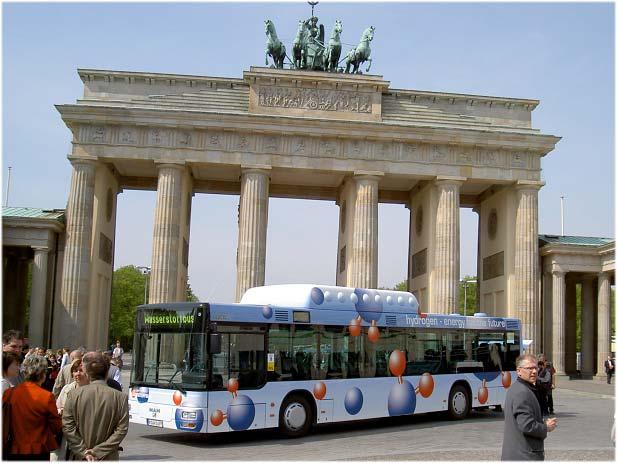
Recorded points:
586,385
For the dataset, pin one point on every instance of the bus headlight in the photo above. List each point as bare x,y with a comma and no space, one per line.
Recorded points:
189,415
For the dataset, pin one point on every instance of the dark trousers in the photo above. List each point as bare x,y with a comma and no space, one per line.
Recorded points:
609,374
549,401
543,399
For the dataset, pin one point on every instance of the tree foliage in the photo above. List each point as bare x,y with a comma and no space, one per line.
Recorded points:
472,306
127,292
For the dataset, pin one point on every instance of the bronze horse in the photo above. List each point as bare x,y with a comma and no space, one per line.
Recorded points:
361,53
334,47
299,45
274,47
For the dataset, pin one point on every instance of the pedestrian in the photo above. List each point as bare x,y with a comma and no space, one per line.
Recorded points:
65,358
524,428
609,368
34,419
549,391
10,369
117,354
114,372
543,386
79,379
12,341
65,376
96,417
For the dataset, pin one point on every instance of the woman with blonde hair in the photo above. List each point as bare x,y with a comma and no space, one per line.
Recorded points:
33,417
79,379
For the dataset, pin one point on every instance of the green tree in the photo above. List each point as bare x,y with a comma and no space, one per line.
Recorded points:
472,304
190,296
127,292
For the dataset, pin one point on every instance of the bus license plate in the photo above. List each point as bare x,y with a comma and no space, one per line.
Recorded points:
157,423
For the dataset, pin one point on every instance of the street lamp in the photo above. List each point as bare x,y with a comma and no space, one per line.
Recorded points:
145,271
465,283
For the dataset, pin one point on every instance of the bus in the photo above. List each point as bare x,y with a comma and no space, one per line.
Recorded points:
293,356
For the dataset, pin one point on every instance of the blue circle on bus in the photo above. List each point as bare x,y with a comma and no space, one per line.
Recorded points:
367,307
266,311
317,296
353,401
402,399
193,420
487,375
240,413
143,394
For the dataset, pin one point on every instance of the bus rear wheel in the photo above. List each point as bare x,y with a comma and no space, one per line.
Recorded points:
458,402
296,416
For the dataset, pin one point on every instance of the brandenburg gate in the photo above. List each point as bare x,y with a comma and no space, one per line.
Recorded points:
347,138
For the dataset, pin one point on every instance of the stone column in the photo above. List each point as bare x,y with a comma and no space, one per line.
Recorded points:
526,266
570,325
252,229
479,303
36,330
587,363
70,324
362,271
559,322
444,284
166,240
604,335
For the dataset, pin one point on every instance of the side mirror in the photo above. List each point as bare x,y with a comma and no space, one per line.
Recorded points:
215,343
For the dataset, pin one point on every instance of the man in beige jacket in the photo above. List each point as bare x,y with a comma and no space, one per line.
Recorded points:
96,417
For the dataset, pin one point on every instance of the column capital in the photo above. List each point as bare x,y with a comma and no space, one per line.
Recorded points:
258,168
529,185
83,161
449,180
40,248
180,165
559,273
603,275
377,175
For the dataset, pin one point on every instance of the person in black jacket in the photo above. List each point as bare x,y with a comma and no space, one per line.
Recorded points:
524,428
609,368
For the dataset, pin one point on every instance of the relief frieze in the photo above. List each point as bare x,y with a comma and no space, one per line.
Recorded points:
411,152
271,144
158,137
315,99
328,148
184,139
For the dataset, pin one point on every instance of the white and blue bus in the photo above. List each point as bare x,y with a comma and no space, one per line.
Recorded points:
292,356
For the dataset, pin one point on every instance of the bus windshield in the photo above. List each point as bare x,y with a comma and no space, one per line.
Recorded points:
170,349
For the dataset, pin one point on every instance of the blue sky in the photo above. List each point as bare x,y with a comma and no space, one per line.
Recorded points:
561,54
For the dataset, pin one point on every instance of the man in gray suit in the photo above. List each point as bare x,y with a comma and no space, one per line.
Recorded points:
524,430
95,419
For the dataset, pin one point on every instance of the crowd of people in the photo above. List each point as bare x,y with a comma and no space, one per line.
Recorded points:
61,405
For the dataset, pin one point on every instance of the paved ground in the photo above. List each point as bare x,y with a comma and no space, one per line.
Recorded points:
585,411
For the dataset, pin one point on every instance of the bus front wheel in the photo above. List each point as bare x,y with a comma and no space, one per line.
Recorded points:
458,402
296,416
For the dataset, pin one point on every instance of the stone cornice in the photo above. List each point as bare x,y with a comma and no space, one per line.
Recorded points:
90,75
469,99
572,249
85,114
29,222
